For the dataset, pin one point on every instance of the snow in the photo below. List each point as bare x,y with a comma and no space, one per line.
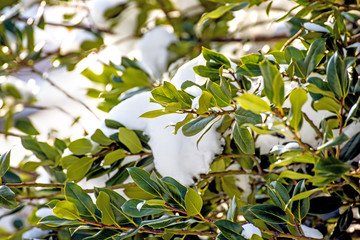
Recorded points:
174,155
315,27
249,230
73,41
34,233
311,232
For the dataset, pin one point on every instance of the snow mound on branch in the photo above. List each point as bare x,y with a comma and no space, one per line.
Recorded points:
250,230
311,232
176,156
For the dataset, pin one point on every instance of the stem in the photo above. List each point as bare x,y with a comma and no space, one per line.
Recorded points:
340,125
351,183
153,231
297,226
311,123
284,235
43,75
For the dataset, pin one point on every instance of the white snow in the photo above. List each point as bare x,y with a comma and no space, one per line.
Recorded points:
311,232
34,233
73,41
249,230
174,155
315,27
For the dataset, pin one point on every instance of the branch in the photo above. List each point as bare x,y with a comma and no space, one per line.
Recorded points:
240,39
66,25
311,123
153,231
285,235
64,92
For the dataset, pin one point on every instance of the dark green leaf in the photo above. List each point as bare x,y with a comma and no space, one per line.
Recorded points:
142,179
161,222
113,124
140,208
351,148
7,198
207,72
269,213
4,163
26,126
53,221
332,166
83,202
337,76
194,127
300,208
243,139
273,83
230,230
246,116
232,211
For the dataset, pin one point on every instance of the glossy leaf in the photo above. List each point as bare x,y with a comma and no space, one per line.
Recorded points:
336,141
193,202
243,139
269,213
337,76
103,204
218,12
53,221
273,83
7,198
76,168
328,104
139,208
232,211
161,222
246,116
67,210
298,97
216,57
4,163
142,179
300,208
253,103
130,140
83,202
230,230
221,99
351,148
194,127
206,101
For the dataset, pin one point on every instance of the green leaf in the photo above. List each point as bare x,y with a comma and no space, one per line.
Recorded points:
298,98
26,126
221,99
130,140
269,213
337,76
112,157
273,83
351,148
353,111
315,89
142,179
207,72
4,163
116,202
329,104
7,198
300,208
232,211
169,192
243,139
161,222
332,166
336,141
218,12
280,192
76,168
194,127
253,103
230,230
135,78
216,57
193,202
83,202
154,113
314,55
103,204
53,221
139,208
249,69
246,116
303,195
180,124
294,53
113,124
293,175
67,210
205,101
100,138
80,146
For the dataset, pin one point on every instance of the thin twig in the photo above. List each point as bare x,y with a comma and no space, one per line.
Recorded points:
64,92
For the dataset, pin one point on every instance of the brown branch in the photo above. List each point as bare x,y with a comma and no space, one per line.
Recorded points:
313,126
258,38
284,235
